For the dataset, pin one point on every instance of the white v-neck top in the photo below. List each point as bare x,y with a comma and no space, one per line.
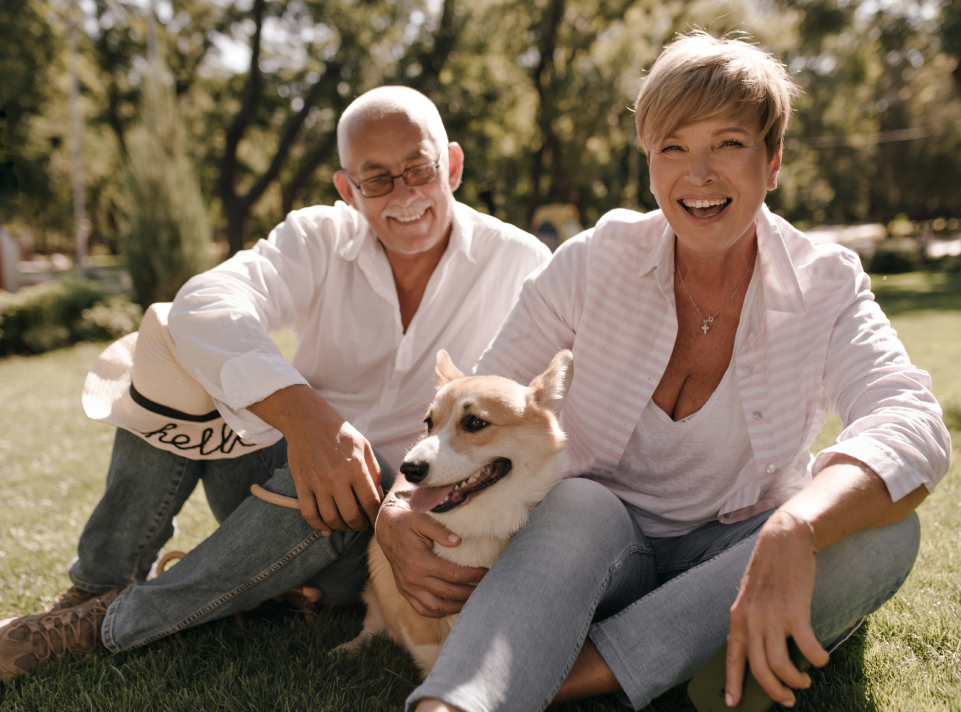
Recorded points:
675,476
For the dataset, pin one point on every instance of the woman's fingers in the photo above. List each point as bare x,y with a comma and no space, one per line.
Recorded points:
810,646
735,664
759,650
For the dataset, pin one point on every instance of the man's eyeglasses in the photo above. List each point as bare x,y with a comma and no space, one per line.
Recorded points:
379,186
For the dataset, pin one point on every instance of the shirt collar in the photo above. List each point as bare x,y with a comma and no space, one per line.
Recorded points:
462,235
781,288
461,238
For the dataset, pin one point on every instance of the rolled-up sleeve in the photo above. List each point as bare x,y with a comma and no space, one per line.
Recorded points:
892,421
221,321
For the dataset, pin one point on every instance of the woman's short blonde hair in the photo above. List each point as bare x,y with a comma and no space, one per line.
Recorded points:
700,77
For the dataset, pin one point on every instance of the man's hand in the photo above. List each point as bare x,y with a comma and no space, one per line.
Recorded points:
332,464
433,587
774,604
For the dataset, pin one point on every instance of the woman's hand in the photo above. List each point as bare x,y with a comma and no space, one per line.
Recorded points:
774,604
433,587
774,600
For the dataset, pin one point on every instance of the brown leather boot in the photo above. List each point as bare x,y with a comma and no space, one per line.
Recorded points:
26,641
73,596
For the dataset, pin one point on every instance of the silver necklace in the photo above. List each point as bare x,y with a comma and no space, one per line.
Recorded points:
710,319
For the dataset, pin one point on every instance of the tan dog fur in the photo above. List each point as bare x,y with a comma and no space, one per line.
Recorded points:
521,426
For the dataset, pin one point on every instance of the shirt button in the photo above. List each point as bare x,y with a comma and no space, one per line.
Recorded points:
771,468
757,415
748,368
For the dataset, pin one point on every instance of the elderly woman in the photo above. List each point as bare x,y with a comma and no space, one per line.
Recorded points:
710,340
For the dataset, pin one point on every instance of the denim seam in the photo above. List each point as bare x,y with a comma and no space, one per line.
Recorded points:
292,554
268,466
630,550
151,531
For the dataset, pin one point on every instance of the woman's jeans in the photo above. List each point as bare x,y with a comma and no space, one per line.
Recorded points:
259,551
656,609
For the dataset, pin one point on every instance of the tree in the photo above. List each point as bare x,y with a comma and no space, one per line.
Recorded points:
167,233
28,67
876,132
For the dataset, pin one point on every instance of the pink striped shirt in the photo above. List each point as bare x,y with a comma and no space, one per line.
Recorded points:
819,342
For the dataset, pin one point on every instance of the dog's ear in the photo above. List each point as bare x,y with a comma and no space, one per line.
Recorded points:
550,388
445,370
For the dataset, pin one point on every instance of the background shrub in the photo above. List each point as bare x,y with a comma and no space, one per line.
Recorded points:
56,314
109,319
896,256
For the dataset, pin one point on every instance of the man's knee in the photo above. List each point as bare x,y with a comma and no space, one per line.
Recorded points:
282,482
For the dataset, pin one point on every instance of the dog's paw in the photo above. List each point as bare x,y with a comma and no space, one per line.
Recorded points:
352,646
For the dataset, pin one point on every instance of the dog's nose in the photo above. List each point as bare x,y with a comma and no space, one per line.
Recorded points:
414,471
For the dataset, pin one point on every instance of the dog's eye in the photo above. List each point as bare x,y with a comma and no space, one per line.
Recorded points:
472,423
430,423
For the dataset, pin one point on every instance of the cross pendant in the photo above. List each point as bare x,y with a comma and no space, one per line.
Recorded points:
705,327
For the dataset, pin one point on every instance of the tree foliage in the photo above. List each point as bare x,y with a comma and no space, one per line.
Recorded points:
166,231
538,92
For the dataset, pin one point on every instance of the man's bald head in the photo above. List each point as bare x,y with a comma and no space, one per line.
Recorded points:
383,102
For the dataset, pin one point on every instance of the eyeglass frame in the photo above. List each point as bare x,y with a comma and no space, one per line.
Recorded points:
402,174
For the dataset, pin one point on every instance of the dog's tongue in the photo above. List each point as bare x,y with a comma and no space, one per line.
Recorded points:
425,499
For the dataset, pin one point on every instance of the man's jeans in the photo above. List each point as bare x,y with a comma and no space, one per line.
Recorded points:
259,551
656,609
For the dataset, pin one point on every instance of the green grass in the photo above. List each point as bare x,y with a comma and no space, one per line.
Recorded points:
52,464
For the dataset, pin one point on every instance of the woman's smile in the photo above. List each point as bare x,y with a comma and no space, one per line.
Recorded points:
705,208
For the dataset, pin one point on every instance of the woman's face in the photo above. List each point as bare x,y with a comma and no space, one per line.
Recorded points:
720,164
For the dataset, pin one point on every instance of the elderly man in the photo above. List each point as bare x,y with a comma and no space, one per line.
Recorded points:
372,288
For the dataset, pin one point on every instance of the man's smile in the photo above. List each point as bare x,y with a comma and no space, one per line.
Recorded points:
410,214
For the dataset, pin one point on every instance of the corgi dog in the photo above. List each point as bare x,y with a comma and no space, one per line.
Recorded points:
492,451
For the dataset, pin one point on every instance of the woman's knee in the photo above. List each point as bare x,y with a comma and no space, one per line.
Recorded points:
858,575
580,518
582,497
896,547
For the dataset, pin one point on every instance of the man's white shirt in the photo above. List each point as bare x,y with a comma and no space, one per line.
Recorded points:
323,274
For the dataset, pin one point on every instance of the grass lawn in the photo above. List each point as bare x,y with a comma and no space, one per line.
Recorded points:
52,466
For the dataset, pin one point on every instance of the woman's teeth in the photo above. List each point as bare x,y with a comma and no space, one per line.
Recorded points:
704,203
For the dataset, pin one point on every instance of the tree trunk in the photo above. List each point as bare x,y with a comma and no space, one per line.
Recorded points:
236,213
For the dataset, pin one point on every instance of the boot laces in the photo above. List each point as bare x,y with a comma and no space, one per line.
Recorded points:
63,632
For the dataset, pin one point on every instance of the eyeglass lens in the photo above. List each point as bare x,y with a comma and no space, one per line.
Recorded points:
382,185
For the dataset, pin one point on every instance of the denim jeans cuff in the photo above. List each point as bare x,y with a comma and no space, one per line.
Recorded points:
451,695
85,585
106,628
630,695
